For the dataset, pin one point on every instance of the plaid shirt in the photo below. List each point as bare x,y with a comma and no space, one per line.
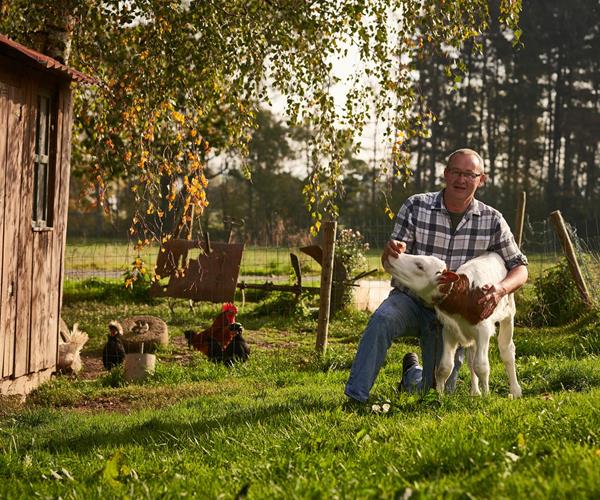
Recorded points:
423,223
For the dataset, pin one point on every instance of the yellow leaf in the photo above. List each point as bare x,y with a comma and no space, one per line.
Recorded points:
178,117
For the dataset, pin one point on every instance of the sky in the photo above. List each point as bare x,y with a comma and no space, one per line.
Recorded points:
372,145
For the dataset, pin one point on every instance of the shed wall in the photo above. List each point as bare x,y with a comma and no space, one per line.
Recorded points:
31,261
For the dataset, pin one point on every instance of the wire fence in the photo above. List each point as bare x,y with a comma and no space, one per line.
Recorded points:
102,259
543,248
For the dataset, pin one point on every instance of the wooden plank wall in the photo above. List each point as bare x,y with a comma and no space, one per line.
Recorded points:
25,234
61,204
14,143
31,261
4,131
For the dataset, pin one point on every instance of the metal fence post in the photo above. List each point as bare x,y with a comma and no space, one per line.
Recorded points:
559,225
329,232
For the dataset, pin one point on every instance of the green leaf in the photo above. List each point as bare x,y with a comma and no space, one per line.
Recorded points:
112,468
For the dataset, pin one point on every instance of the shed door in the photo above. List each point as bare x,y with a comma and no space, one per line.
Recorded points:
11,143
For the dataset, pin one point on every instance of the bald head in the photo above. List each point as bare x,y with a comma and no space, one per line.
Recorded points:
465,152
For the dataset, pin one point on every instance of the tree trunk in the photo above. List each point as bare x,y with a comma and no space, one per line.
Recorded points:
553,173
56,37
468,98
435,105
492,126
481,120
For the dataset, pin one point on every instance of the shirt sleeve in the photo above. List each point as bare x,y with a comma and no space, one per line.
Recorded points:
504,244
404,228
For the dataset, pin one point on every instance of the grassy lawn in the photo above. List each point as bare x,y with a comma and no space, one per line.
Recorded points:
276,426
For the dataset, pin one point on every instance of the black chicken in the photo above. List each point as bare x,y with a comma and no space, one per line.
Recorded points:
237,350
113,353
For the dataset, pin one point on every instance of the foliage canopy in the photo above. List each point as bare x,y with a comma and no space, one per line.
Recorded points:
182,80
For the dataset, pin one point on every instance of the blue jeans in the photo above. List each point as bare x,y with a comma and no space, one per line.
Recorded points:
400,315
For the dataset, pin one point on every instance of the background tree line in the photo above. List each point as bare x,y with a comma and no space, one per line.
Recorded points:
533,113
182,81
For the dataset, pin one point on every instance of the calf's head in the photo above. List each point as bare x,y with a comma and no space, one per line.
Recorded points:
426,276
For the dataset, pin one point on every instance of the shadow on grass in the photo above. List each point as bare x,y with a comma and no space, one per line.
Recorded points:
105,291
156,428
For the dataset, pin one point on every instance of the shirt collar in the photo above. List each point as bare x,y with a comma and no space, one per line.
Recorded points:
438,204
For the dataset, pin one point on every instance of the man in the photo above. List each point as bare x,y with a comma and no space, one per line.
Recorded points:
455,227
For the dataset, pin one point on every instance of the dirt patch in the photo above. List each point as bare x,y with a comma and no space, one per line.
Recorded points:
181,354
93,367
132,398
127,400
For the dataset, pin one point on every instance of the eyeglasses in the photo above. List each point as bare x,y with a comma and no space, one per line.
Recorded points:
469,176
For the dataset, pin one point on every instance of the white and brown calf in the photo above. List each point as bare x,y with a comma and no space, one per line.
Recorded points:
455,297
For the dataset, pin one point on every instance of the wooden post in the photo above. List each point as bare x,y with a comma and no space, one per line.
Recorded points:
520,220
559,225
329,231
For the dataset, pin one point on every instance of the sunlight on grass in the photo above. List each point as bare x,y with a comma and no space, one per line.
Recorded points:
277,427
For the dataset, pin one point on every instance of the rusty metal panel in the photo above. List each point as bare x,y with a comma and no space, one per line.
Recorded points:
211,277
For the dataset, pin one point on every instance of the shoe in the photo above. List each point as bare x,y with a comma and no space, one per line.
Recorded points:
352,405
408,361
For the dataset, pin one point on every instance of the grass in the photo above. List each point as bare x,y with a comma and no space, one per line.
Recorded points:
277,426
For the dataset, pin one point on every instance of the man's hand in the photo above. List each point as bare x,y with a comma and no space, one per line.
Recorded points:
491,296
392,248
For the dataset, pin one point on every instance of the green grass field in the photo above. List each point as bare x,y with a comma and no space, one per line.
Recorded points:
277,427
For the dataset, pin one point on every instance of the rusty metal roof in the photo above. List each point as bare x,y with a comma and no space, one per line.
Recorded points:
17,50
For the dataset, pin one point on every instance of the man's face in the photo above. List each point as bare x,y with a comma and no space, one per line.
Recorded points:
463,176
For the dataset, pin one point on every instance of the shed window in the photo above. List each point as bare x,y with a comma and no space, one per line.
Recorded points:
43,173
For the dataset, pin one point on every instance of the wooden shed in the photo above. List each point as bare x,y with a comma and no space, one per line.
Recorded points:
35,144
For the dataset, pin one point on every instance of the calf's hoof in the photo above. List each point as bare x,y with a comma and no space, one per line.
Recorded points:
475,391
516,393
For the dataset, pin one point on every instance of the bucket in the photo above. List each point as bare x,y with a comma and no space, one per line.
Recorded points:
138,366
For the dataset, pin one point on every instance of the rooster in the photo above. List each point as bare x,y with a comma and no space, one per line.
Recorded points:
220,341
69,349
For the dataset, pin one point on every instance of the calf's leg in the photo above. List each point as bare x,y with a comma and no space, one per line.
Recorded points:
446,364
474,378
481,364
506,347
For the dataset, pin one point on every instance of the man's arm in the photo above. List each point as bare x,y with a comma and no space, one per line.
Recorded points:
514,280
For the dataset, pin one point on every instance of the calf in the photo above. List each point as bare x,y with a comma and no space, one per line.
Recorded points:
455,297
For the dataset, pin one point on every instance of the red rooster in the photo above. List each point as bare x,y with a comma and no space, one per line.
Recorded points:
215,339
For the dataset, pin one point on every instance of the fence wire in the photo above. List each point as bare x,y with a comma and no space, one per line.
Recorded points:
86,259
544,250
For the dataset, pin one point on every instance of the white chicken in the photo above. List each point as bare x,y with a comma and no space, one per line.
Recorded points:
69,349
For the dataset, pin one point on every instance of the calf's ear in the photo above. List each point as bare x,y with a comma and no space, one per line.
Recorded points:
447,277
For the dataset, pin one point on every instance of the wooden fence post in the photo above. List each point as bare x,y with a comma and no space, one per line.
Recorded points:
520,220
329,231
559,225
